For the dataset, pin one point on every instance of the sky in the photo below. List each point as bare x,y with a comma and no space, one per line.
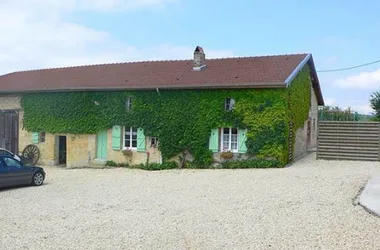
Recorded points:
55,33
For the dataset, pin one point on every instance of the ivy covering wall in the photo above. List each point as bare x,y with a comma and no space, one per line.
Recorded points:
182,120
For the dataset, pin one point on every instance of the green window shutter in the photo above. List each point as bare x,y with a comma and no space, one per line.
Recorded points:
116,137
214,140
242,138
140,140
35,137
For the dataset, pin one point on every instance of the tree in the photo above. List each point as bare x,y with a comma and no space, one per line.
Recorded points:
331,113
375,104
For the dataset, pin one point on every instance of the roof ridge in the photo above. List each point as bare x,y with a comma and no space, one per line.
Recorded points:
151,61
96,64
261,56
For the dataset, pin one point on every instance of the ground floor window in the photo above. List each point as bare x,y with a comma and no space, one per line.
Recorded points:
130,137
229,139
42,136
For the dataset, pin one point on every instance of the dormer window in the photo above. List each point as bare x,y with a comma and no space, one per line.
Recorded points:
128,104
229,104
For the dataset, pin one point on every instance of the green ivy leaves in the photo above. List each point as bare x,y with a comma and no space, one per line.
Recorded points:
182,120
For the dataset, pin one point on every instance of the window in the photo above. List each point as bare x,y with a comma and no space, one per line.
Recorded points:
128,104
10,162
42,136
229,140
130,138
229,104
153,142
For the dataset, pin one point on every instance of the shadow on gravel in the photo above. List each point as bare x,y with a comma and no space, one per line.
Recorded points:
22,187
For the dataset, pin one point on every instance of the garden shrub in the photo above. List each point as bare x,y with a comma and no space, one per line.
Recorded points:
114,164
156,166
254,163
111,164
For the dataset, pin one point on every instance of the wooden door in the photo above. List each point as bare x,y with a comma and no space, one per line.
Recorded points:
101,138
9,131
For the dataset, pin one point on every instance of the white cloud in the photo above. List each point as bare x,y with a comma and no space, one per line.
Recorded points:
362,109
36,34
364,80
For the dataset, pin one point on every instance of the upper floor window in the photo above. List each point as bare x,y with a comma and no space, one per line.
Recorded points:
153,142
128,104
229,104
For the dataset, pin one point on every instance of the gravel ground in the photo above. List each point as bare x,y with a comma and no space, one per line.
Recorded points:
306,206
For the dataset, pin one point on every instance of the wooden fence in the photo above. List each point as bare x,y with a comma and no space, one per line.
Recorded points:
341,140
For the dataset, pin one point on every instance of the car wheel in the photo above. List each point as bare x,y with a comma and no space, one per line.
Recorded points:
38,179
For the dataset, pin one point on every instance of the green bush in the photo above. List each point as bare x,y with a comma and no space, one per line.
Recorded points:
256,163
156,166
123,165
114,164
111,164
194,165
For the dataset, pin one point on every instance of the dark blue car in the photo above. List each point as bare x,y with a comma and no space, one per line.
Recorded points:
14,173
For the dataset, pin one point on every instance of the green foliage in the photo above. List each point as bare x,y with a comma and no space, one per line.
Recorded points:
330,113
375,104
255,163
267,122
111,164
182,120
300,98
114,164
123,165
299,103
366,118
156,166
268,135
148,166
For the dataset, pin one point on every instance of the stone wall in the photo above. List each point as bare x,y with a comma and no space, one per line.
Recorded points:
10,103
81,150
46,148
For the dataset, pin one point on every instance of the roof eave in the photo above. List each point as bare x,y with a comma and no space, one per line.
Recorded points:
315,81
162,87
297,70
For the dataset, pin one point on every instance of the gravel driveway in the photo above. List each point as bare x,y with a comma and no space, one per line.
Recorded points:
306,206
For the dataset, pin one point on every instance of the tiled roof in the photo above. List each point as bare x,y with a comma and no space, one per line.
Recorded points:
243,72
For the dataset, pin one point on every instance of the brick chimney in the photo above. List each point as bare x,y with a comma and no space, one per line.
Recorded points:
199,59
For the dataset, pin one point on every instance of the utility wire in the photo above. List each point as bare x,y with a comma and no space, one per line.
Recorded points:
353,67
